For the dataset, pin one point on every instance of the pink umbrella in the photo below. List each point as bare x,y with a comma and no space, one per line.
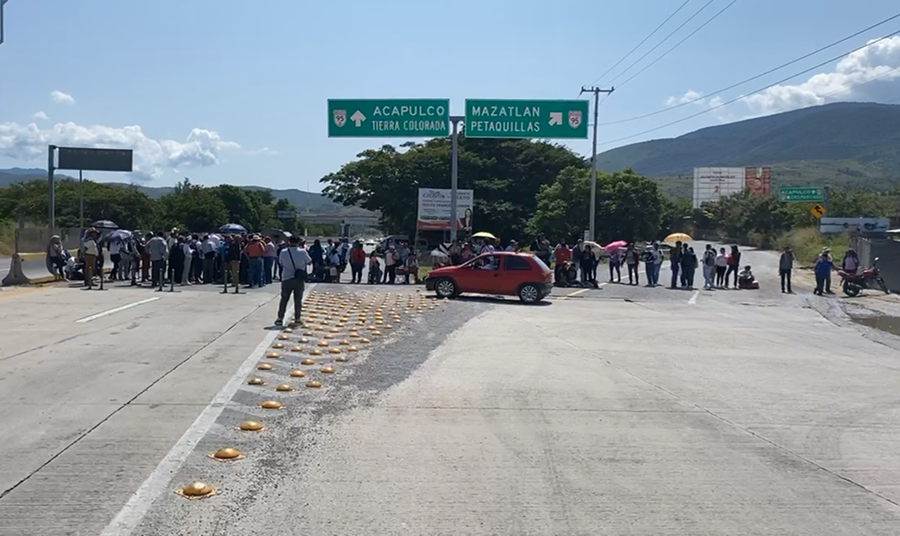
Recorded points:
612,246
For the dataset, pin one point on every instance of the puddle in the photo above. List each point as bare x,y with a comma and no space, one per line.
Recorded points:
888,324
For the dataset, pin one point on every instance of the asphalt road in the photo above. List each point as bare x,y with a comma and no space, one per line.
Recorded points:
623,410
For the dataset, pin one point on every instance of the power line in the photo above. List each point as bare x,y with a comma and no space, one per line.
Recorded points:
742,82
742,97
673,32
658,28
678,44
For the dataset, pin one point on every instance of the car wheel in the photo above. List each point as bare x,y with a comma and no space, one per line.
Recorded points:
530,294
445,288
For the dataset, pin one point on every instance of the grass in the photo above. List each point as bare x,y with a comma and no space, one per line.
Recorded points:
7,237
807,244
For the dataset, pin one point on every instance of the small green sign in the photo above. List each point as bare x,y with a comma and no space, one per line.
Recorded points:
546,119
788,195
388,118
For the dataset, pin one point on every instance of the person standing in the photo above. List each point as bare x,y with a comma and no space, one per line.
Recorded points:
357,262
721,267
657,264
631,259
823,271
232,263
91,251
254,251
785,265
734,266
709,266
294,259
157,252
675,263
615,261
269,256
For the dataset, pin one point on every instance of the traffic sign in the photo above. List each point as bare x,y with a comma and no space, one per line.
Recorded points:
800,194
388,118
817,211
545,119
285,214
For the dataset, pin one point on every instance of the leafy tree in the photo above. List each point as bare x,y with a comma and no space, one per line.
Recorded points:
505,174
629,206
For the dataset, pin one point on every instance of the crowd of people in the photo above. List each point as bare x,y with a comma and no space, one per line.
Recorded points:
182,258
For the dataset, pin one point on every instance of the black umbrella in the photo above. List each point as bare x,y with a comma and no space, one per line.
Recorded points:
232,228
104,224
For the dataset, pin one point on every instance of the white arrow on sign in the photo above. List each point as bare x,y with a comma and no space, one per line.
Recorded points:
357,117
555,118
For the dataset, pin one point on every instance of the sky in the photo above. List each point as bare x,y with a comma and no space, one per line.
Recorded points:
236,92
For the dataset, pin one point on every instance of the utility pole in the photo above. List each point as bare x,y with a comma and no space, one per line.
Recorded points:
596,91
454,171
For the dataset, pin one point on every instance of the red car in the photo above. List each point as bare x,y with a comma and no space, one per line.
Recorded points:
502,272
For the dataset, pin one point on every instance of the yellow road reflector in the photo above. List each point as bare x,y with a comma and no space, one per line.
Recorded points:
264,366
227,454
255,381
270,404
327,370
251,426
297,374
285,387
308,361
196,490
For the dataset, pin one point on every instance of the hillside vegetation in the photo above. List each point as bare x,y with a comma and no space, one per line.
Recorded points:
841,144
304,201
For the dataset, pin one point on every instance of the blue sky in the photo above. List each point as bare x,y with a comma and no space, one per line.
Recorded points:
235,92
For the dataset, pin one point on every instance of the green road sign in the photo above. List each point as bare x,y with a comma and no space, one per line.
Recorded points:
388,118
526,118
800,194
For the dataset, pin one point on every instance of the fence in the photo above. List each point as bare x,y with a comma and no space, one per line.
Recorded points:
36,240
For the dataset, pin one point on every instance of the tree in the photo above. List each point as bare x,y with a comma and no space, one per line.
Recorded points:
629,207
505,174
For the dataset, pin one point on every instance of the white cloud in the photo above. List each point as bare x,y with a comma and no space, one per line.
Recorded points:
59,97
40,115
870,74
265,151
695,98
151,157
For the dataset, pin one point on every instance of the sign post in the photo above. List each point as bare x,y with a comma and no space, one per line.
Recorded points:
536,119
799,195
454,174
388,118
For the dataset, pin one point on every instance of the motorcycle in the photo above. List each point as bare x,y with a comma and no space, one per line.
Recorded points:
869,278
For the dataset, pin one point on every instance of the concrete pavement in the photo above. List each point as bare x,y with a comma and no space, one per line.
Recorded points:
625,410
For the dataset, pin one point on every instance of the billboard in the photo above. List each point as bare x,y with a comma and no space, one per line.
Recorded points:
758,180
714,183
863,225
434,209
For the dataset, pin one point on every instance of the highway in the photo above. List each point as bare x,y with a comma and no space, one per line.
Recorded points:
623,410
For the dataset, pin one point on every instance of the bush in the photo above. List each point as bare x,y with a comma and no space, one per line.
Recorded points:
7,237
807,244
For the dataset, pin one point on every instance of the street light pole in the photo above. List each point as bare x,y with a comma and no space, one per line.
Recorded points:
596,91
454,172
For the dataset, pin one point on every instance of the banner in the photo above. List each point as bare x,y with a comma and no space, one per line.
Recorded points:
758,180
434,209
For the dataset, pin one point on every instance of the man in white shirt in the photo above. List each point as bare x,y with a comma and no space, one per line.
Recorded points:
294,259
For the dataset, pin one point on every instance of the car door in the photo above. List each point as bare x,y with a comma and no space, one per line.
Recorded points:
516,271
479,280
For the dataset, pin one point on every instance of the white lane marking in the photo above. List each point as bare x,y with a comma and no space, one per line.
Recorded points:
693,299
131,515
114,311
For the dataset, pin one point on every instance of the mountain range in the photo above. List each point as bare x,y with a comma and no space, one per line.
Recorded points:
304,201
840,144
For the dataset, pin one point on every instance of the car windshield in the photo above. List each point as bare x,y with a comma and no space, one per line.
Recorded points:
541,263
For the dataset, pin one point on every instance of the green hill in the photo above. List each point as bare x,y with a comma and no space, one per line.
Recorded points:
839,144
